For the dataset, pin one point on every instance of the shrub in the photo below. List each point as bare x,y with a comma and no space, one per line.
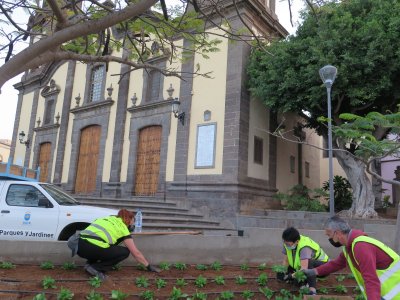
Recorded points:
262,279
268,293
47,265
164,266
160,283
216,266
68,266
180,266
65,294
147,295
343,195
219,280
200,281
7,265
201,267
94,296
48,283
95,282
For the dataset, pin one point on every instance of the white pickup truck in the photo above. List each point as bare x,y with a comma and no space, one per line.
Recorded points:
30,210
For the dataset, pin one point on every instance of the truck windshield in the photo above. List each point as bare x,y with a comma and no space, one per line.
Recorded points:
61,197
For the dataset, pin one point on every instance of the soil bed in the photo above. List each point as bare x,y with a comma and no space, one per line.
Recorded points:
25,281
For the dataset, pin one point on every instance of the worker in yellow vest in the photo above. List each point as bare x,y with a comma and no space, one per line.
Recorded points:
99,244
374,265
301,252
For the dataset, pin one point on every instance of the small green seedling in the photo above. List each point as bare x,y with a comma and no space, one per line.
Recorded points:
340,278
118,295
304,290
220,280
350,276
262,266
141,267
200,281
226,295
285,293
279,268
95,282
7,265
65,294
47,265
323,290
340,288
164,266
117,267
160,283
147,295
359,297
94,296
142,282
357,289
199,296
216,266
240,280
48,283
300,276
181,282
244,267
201,267
40,296
247,294
268,293
262,279
180,266
68,266
177,294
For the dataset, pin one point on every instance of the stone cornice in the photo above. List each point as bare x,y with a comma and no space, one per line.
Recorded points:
150,106
46,127
91,106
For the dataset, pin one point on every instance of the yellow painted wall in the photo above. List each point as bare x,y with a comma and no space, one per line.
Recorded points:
324,169
209,94
5,151
20,149
259,124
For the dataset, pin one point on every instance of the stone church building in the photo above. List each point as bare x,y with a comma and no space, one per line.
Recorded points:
106,136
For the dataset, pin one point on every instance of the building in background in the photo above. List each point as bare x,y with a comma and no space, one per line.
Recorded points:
5,146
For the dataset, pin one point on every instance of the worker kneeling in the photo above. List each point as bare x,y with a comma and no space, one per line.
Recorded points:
301,253
99,244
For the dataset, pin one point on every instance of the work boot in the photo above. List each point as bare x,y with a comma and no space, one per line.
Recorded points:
94,272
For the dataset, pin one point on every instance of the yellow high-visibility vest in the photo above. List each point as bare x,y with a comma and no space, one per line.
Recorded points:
389,278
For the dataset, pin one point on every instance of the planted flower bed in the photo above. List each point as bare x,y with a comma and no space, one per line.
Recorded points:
176,281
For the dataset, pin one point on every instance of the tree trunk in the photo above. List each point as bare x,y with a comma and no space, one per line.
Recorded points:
363,195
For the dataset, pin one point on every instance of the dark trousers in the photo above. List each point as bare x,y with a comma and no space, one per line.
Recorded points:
311,280
102,259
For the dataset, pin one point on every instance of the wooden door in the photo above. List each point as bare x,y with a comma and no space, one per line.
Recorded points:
44,160
148,161
86,172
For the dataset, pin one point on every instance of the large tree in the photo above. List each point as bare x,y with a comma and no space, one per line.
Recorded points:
362,39
88,31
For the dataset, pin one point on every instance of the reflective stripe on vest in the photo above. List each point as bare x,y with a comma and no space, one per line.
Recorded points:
305,241
389,278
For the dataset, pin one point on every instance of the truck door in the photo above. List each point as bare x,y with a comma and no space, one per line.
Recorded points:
27,214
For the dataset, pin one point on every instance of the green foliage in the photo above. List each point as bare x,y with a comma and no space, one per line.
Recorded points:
117,267
285,293
200,281
216,266
323,290
180,266
7,265
300,276
176,294
48,283
244,267
160,283
147,295
304,290
240,279
262,266
118,295
95,282
303,199
262,279
342,192
247,294
142,281
141,267
357,289
340,278
279,268
40,296
359,297
226,295
181,282
68,266
94,296
65,294
199,296
268,293
164,266
201,267
47,265
340,288
219,280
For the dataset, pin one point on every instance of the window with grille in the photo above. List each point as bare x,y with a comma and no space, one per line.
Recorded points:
153,86
48,112
258,150
96,83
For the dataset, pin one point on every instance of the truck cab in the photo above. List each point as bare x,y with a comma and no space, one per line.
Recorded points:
31,210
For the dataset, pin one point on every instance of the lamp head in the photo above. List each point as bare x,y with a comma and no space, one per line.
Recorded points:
328,75
175,106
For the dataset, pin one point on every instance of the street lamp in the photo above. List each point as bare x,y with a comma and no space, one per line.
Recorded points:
328,75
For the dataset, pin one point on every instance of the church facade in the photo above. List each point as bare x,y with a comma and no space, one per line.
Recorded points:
115,136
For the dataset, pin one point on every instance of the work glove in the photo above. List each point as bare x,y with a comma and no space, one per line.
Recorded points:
284,276
309,272
152,268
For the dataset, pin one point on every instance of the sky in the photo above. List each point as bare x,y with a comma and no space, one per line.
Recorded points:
9,95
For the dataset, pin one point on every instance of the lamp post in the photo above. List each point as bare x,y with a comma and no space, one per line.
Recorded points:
328,75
